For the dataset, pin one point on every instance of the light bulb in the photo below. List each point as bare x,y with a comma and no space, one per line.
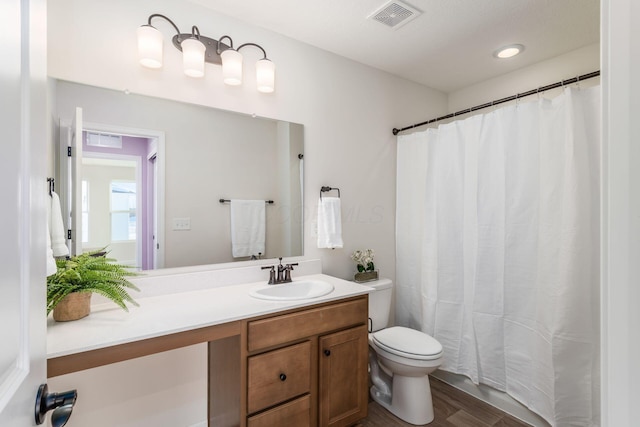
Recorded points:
265,76
231,67
193,57
149,46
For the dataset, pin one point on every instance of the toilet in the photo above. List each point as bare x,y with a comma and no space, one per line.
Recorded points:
400,360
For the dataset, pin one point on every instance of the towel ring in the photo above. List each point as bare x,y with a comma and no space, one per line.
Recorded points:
324,189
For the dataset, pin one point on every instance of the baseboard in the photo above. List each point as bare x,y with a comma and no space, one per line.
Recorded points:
493,397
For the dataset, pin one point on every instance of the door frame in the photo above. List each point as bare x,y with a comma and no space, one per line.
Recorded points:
159,179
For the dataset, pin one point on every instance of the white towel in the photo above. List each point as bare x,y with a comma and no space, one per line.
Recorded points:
52,268
56,228
247,227
329,223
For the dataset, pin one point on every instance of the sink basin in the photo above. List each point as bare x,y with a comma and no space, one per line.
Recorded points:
301,289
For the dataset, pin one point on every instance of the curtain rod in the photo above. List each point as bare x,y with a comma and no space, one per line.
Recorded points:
503,100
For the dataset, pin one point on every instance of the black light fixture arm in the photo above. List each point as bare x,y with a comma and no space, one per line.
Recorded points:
255,45
195,32
220,41
158,15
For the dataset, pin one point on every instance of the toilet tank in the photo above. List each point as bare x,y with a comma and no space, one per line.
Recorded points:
379,303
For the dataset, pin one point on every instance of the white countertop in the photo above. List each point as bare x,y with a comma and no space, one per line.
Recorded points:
109,325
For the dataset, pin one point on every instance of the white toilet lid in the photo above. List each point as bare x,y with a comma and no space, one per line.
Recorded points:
408,343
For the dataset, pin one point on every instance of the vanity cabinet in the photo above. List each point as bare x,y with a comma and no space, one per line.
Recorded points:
343,377
304,366
308,367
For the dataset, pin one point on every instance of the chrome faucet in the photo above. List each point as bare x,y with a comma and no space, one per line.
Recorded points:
283,274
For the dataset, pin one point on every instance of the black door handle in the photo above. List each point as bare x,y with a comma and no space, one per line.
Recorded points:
61,403
327,352
283,377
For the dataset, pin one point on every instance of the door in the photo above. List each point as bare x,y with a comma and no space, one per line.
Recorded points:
343,377
75,189
69,172
24,192
155,244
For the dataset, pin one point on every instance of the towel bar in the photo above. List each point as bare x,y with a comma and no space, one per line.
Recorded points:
269,202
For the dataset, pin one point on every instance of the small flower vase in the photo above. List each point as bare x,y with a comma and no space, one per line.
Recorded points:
74,306
366,276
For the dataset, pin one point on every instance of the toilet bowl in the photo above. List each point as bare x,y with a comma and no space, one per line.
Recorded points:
400,360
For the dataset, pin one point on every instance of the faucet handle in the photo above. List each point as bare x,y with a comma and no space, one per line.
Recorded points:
287,271
272,273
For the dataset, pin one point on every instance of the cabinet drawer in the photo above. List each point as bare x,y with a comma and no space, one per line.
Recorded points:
278,375
290,327
295,413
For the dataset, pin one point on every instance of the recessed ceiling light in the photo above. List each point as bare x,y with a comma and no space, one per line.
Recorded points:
508,51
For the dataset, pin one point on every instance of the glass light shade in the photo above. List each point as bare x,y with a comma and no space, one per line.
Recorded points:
149,46
231,67
193,57
265,76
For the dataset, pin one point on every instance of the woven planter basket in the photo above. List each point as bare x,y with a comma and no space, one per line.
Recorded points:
74,306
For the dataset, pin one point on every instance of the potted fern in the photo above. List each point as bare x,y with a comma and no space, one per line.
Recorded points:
69,289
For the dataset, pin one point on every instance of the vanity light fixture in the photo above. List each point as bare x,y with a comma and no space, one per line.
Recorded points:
508,51
198,49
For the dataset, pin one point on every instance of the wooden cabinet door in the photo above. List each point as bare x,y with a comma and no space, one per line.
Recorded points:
343,377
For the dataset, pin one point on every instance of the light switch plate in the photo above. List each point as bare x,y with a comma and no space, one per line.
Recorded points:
181,224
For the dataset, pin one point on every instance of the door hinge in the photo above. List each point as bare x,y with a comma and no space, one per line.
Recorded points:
68,151
69,234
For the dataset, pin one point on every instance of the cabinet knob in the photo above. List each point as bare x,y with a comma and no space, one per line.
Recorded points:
283,377
327,352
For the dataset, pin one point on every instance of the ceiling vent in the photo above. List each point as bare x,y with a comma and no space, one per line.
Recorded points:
395,14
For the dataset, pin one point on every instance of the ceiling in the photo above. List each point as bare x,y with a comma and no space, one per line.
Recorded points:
447,47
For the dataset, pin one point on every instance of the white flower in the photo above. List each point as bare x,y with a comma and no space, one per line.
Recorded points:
364,259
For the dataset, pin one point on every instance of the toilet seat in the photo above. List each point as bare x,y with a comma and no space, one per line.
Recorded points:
408,343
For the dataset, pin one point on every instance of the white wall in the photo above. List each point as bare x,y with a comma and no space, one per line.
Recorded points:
621,213
158,390
576,63
347,109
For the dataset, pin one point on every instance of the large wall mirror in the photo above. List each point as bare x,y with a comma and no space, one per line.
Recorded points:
155,178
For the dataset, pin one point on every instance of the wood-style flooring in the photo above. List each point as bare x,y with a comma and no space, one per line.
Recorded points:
452,408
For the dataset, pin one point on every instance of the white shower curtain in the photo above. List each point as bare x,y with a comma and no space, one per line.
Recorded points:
498,250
